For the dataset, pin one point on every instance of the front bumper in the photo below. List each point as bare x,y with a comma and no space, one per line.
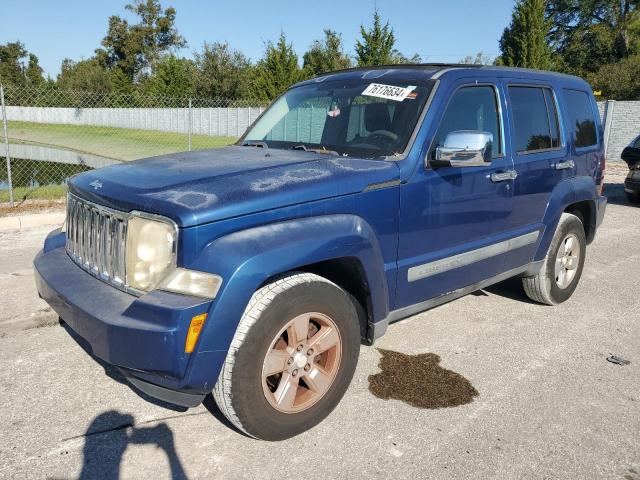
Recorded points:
632,183
176,397
143,335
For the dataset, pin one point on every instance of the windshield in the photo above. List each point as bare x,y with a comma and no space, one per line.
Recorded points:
351,118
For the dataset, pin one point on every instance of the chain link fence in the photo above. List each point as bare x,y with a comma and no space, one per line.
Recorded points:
51,134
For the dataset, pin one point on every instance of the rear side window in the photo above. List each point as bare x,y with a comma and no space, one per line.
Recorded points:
583,124
535,119
472,108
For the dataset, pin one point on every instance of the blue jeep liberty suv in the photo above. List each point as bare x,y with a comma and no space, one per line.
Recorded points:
255,271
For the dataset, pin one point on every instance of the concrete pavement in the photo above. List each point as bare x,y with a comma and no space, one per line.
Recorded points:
548,404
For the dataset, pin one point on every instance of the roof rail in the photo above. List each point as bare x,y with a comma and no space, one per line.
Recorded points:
407,65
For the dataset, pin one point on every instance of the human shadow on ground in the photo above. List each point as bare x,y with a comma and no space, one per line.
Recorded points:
108,437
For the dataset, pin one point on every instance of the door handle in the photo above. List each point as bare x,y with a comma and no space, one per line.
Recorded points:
563,165
503,176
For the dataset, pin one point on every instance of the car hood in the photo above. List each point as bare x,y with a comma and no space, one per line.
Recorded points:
208,185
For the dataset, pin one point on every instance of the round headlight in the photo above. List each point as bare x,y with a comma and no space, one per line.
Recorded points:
150,251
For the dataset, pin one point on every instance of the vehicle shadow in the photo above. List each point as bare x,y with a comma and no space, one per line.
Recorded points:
510,288
109,435
616,196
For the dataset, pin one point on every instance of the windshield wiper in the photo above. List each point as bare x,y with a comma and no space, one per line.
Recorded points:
255,144
302,146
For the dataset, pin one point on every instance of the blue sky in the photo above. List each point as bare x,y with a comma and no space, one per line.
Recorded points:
440,31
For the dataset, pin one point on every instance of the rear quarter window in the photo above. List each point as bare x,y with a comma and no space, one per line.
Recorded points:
535,119
581,117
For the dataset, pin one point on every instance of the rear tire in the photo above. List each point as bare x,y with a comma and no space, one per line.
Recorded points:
562,268
300,322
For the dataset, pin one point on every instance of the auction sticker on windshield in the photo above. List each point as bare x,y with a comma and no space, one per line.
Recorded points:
390,92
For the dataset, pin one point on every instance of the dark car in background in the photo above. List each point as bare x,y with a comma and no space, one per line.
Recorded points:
631,155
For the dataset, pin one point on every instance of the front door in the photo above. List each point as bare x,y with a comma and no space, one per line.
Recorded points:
454,220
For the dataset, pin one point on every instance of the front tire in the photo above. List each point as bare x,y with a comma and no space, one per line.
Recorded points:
291,359
562,267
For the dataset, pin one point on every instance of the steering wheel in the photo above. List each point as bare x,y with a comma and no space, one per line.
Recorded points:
384,133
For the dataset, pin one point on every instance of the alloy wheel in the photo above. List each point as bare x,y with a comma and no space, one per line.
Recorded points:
567,260
302,362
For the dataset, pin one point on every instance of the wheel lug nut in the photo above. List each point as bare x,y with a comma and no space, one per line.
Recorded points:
294,373
310,352
299,348
307,367
290,361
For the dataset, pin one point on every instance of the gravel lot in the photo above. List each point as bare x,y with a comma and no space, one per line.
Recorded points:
539,399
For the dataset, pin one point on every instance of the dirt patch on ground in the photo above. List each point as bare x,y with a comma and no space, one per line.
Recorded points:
44,317
420,381
32,206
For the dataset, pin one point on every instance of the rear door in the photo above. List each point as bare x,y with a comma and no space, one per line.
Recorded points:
540,156
582,125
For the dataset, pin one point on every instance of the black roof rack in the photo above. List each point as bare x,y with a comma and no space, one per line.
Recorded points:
409,65
444,66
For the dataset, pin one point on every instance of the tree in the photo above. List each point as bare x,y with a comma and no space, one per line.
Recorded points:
34,71
172,77
376,47
619,81
11,66
222,72
84,75
325,56
479,59
524,43
120,82
590,34
276,72
398,57
121,50
135,49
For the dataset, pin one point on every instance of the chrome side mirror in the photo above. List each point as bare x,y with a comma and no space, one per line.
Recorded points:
465,148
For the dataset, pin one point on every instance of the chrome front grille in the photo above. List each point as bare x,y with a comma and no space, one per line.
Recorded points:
96,240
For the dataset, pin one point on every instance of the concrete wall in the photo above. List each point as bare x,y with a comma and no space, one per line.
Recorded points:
226,122
623,119
624,125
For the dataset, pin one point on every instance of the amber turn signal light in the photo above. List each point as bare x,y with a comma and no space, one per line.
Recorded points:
195,327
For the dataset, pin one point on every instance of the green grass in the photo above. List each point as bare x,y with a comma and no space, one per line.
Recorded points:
48,192
110,142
